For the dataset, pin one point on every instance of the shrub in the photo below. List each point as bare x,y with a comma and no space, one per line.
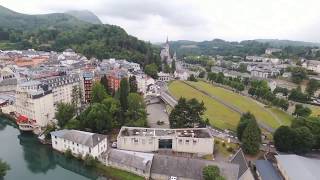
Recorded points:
68,154
90,161
230,149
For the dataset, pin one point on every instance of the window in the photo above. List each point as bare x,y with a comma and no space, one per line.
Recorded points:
180,141
143,141
187,141
56,142
194,141
89,150
150,141
72,143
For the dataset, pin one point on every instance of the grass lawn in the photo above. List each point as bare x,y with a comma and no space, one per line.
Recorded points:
222,146
285,117
219,115
315,110
246,104
117,174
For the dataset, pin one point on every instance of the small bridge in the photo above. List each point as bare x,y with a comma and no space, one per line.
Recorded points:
168,99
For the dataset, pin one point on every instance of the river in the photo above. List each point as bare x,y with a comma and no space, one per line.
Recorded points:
30,160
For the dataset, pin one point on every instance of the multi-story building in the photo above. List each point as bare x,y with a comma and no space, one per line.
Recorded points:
33,106
114,77
87,83
79,142
164,77
312,65
63,86
191,140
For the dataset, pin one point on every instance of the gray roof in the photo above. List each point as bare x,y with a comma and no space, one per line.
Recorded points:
267,171
298,167
190,168
80,137
137,160
239,159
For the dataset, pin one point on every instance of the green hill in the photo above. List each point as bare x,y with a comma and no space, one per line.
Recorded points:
284,43
60,31
10,19
86,16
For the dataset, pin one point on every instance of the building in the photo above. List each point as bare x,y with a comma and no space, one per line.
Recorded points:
264,72
33,106
80,143
197,141
270,51
114,77
164,167
165,53
164,77
312,65
266,171
244,170
294,167
62,87
87,83
135,162
181,74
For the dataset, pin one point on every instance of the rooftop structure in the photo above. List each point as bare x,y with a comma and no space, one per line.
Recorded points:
164,166
296,167
266,171
191,140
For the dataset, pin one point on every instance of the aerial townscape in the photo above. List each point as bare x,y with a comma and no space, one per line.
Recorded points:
82,99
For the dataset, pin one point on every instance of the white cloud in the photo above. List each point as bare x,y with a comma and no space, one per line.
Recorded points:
153,20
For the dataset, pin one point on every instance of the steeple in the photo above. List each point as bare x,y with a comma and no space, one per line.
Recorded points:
167,40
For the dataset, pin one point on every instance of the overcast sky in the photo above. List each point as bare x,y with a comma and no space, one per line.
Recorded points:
153,20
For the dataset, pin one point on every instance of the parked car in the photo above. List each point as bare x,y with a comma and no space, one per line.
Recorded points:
114,145
173,178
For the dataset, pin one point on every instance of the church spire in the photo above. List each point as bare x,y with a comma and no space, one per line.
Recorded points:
167,40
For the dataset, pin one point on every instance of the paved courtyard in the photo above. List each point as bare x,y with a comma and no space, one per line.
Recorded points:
157,112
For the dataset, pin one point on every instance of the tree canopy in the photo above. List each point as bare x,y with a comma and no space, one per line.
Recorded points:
211,173
98,93
4,167
187,114
64,113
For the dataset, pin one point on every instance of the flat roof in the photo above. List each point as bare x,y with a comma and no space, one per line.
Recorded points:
185,132
299,167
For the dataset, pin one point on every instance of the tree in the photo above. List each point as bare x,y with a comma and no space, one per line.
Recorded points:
302,111
244,120
136,114
298,74
64,113
211,173
104,82
251,138
187,114
298,96
76,96
192,78
173,66
312,86
202,74
97,118
124,92
151,70
4,167
133,84
304,140
284,139
98,93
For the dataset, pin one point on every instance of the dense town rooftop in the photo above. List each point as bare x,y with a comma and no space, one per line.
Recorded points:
186,132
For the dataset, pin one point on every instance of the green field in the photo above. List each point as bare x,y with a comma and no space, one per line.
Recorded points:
272,117
218,115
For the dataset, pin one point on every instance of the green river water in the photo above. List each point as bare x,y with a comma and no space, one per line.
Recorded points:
31,160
